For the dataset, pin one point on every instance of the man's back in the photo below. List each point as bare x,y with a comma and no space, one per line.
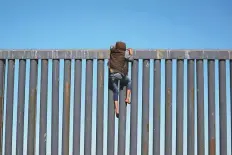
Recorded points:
118,62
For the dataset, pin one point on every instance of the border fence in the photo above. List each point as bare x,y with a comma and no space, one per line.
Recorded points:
31,85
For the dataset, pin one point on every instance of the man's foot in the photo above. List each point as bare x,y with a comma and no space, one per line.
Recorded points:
127,100
116,109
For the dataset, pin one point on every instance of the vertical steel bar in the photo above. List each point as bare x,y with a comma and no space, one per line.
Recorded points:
156,107
168,107
21,103
88,107
231,96
55,106
100,107
77,108
222,106
43,108
122,122
32,107
2,77
145,108
9,107
66,107
200,108
211,106
111,123
190,108
180,105
134,109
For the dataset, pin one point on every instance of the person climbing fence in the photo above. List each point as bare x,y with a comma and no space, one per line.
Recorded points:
118,71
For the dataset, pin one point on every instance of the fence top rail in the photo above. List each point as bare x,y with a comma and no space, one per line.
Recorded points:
104,54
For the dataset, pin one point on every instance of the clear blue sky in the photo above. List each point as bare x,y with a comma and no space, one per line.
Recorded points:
142,24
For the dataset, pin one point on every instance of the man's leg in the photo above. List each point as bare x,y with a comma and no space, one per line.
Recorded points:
115,83
128,91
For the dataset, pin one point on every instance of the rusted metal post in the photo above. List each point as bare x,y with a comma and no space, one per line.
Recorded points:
134,109
168,107
9,107
55,106
122,122
156,107
77,108
222,107
66,107
231,94
32,107
190,108
145,107
211,106
43,108
21,104
2,77
88,107
111,124
100,107
200,108
179,108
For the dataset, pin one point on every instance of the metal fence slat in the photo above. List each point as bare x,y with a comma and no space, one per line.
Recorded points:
55,106
21,104
88,107
32,107
77,108
168,107
222,107
66,107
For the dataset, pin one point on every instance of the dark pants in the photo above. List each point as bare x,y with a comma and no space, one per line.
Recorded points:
116,80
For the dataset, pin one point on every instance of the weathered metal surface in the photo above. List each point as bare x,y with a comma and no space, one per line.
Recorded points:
2,78
55,106
100,107
21,104
134,109
122,122
77,108
104,54
180,107
168,107
156,106
66,107
145,107
43,108
111,123
145,55
88,107
190,108
9,107
222,107
211,107
200,109
31,138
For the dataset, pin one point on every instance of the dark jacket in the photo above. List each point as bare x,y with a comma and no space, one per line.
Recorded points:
118,62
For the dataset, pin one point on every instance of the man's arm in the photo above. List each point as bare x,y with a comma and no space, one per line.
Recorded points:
129,55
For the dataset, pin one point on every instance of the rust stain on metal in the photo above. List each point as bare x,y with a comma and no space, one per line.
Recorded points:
33,95
101,79
212,146
169,96
67,113
145,148
192,95
67,92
